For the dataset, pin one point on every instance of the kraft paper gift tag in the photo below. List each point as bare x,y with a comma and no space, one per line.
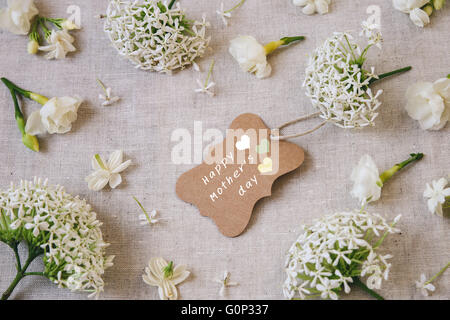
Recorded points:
237,173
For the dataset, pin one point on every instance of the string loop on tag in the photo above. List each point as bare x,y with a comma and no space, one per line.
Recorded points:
312,115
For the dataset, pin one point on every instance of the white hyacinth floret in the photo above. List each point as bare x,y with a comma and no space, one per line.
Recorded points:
155,36
335,252
60,227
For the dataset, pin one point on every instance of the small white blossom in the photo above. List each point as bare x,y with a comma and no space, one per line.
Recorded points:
205,88
366,179
423,286
225,283
165,276
107,172
429,103
59,44
16,18
154,38
312,6
69,25
107,98
223,14
436,192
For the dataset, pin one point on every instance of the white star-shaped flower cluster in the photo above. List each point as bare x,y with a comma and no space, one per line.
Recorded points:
154,37
336,248
64,227
338,86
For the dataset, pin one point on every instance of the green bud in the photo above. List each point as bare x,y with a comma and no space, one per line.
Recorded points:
438,4
30,142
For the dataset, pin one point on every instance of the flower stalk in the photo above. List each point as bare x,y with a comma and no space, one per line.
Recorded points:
28,140
33,253
438,274
388,74
386,175
235,7
357,282
272,46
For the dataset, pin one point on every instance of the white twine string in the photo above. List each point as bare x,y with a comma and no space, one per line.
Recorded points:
278,137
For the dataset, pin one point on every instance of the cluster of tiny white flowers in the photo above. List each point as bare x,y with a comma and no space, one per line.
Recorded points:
154,37
338,247
338,86
64,227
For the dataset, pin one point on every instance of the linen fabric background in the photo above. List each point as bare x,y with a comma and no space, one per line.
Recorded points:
153,105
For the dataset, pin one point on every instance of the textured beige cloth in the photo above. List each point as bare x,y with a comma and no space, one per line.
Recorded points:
153,105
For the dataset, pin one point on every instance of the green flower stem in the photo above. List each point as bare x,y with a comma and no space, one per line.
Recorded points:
448,76
46,31
21,271
208,77
235,7
171,4
388,74
27,94
29,141
360,284
385,176
272,46
34,35
438,274
143,209
100,162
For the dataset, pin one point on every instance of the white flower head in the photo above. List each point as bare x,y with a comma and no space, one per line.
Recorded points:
55,116
423,286
146,218
69,25
429,103
310,264
59,44
165,276
154,37
225,283
313,6
107,172
436,192
366,179
16,18
250,55
338,86
64,227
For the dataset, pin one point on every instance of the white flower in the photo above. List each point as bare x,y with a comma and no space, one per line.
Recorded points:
407,5
429,103
56,116
65,227
413,7
250,55
225,282
337,85
372,32
223,14
155,39
205,88
419,17
108,99
312,6
424,286
436,194
59,44
163,275
310,267
107,172
38,224
17,17
367,183
148,218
